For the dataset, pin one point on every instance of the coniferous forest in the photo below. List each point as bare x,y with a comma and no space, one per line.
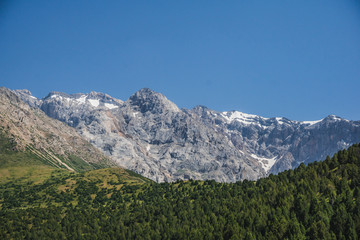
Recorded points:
318,201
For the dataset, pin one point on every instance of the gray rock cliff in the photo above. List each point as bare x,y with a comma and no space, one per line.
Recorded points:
150,135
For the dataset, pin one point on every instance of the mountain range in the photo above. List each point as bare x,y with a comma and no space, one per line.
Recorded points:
150,135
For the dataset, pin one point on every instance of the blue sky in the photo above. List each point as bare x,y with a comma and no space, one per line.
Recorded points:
294,59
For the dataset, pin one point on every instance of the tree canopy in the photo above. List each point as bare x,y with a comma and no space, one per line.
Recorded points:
318,201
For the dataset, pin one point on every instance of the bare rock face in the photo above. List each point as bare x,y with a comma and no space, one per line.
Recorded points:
180,143
150,135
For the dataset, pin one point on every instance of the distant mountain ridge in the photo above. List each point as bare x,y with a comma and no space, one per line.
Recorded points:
150,135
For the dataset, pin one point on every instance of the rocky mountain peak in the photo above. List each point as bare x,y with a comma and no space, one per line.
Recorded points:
103,97
333,118
26,96
146,100
97,95
200,108
53,94
88,100
7,95
24,91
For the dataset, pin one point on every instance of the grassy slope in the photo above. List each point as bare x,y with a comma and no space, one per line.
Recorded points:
34,174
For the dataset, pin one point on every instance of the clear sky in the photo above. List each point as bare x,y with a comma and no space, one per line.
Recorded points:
294,59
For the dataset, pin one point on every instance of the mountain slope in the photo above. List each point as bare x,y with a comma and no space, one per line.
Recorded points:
152,136
318,201
281,142
28,136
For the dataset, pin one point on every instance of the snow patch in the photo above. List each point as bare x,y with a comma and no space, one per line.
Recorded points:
33,97
266,163
310,123
81,99
280,120
58,97
336,118
110,106
239,116
342,144
135,114
94,102
247,119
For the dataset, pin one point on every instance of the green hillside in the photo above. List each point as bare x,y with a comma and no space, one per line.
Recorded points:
12,156
319,201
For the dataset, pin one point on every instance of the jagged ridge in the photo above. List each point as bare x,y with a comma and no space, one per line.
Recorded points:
152,136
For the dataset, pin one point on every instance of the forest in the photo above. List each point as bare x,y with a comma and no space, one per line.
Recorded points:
318,201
